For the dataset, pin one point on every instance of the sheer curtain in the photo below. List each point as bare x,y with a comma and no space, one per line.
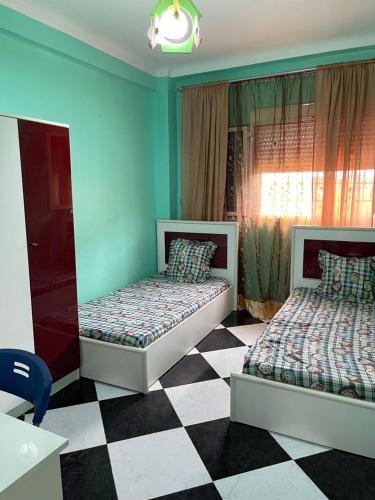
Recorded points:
204,151
344,154
270,181
301,150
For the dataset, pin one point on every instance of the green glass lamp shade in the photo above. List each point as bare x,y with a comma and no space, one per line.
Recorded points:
175,26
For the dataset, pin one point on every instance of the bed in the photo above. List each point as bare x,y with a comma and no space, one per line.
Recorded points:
132,336
311,374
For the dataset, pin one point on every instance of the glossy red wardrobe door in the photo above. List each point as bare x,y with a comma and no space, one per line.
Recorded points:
45,160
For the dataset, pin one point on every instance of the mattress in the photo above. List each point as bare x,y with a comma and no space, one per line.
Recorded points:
321,344
138,315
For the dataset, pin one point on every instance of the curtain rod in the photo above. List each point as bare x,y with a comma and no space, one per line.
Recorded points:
260,77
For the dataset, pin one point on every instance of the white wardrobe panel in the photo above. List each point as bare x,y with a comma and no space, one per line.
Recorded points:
16,326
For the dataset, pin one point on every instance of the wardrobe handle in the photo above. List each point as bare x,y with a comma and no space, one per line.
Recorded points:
34,244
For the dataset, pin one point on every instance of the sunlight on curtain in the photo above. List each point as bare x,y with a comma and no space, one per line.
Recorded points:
344,152
301,150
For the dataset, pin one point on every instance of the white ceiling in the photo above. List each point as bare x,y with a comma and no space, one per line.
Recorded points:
235,32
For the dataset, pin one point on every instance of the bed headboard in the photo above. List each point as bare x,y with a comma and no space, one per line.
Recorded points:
308,240
224,234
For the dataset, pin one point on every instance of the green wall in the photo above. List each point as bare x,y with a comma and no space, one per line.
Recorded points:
125,138
243,72
110,109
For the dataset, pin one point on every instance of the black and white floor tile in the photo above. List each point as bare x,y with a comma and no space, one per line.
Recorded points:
178,443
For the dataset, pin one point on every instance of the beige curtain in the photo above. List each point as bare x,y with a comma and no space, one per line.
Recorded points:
204,151
344,150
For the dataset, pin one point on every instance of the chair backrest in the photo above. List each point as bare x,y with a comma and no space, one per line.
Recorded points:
26,375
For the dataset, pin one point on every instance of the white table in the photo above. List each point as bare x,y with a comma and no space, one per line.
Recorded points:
29,461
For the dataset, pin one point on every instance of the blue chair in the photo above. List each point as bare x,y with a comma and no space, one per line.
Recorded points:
25,375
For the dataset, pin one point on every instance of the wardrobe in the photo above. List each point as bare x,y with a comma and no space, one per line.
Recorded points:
38,293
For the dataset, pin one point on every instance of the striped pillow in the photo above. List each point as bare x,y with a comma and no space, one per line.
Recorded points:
348,278
189,261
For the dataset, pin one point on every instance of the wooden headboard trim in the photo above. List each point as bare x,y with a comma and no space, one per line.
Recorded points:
225,234
311,249
308,240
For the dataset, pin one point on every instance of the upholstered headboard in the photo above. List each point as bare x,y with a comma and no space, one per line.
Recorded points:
308,240
224,234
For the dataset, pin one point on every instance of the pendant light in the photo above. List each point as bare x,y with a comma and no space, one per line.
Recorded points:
175,26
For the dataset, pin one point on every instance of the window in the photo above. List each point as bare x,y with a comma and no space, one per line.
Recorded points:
286,194
238,154
281,158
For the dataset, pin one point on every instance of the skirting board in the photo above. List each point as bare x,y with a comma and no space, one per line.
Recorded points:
25,406
326,419
136,368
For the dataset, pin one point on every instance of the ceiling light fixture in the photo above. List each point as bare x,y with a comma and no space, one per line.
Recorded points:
175,26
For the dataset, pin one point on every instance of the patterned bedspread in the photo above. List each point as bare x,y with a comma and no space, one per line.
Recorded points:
322,344
139,314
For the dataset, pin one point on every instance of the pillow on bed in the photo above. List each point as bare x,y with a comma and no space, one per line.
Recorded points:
349,278
189,261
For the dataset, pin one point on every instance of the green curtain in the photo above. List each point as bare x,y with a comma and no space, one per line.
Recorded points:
280,91
279,108
264,268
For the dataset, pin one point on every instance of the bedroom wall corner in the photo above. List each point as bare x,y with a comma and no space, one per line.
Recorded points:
165,149
109,106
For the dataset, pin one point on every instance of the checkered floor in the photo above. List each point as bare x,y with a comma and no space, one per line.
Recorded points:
178,443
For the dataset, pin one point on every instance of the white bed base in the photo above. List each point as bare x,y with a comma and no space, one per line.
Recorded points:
136,368
323,418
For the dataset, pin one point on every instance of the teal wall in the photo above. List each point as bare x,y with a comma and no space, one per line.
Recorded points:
110,108
243,72
125,138
165,149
